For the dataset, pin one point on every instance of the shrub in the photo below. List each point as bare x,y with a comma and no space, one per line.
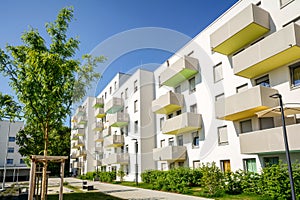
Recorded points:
212,180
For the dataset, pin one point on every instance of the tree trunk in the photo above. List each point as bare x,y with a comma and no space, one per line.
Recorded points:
44,179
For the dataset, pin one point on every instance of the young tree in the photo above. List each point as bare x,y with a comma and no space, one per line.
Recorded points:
46,79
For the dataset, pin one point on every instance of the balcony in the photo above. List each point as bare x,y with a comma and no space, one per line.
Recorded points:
99,137
99,103
114,141
181,70
245,104
270,140
74,137
97,126
185,122
81,153
114,105
276,50
80,111
243,29
79,132
118,119
116,158
170,153
99,113
82,119
79,143
74,145
99,149
73,155
167,103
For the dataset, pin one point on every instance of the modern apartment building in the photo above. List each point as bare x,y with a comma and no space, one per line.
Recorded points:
10,159
207,96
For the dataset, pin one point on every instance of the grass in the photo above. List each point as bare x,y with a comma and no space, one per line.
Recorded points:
80,196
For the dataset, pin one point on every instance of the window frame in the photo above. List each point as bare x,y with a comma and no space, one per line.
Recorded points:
263,81
245,121
192,88
292,69
214,72
221,143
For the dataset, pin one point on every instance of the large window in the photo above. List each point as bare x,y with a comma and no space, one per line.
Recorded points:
10,161
10,150
193,108
135,105
222,135
180,140
263,81
171,141
250,165
225,165
12,139
161,122
268,161
192,85
136,126
218,73
195,137
266,123
246,126
135,86
295,74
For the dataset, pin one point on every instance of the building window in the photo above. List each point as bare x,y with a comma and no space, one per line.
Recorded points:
242,88
115,85
266,123
172,165
219,96
164,167
178,112
196,164
284,2
161,122
126,93
135,106
263,81
218,73
110,90
10,161
105,95
178,89
222,135
170,116
189,54
162,143
225,165
171,141
11,139
159,82
193,108
295,74
180,164
246,126
135,86
22,161
195,140
126,148
250,165
268,161
126,109
136,126
180,140
10,150
192,85
122,95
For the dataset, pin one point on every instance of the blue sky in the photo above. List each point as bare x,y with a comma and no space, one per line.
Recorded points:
98,20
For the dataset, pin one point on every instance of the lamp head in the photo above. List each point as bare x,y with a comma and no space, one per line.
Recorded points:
275,96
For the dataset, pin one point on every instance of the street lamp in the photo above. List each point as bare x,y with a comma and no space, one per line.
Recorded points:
136,161
287,151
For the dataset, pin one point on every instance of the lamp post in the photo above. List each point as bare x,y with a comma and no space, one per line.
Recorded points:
287,151
136,161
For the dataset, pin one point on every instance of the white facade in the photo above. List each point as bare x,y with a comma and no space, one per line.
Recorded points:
200,105
10,158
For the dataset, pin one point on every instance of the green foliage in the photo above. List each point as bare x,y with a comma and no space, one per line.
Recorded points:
107,177
212,180
9,109
275,181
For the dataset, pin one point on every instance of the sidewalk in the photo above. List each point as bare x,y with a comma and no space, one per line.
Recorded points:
125,192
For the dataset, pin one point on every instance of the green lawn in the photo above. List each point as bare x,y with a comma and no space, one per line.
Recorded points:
87,196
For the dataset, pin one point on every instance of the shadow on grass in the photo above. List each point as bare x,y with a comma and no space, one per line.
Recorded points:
87,196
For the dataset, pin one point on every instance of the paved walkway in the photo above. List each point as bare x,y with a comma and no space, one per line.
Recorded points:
124,192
